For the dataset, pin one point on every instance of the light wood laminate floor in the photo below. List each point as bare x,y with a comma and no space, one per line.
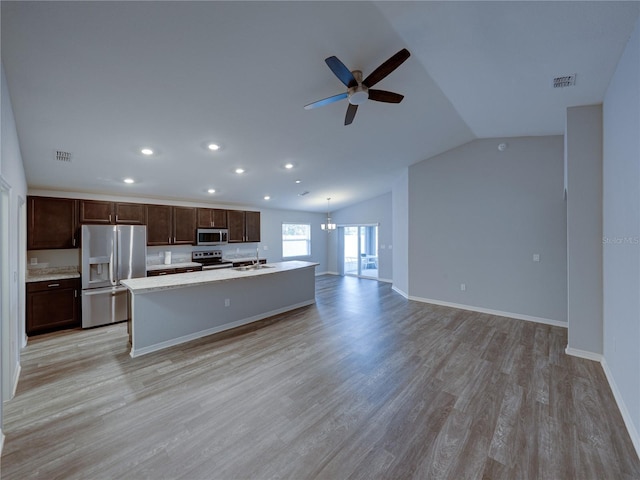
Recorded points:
362,385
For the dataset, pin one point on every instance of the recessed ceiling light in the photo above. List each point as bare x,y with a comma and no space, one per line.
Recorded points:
267,197
239,170
129,180
288,166
213,146
211,190
146,151
298,181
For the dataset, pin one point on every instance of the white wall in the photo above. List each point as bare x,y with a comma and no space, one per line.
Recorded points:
621,234
583,159
13,178
375,210
400,237
478,215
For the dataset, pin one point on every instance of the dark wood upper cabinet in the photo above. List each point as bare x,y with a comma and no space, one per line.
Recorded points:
212,218
130,213
243,226
235,223
167,225
52,223
252,226
112,213
184,225
96,211
159,225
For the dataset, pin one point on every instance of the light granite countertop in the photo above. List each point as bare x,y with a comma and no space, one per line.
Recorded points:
162,266
51,273
151,284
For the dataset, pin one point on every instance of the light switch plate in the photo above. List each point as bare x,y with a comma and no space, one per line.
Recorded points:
536,257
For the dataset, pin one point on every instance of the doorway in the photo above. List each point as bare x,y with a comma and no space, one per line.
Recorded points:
360,252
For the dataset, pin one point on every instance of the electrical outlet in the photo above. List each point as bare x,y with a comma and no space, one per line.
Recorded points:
463,287
227,302
33,260
265,247
536,257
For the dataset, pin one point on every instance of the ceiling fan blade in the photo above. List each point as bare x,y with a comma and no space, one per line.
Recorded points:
340,71
386,68
326,101
384,96
351,112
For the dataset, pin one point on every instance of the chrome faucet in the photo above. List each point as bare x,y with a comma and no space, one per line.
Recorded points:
257,256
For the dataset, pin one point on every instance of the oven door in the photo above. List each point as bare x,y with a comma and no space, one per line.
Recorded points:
212,236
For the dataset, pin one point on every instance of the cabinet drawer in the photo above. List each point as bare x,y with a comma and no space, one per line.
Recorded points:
53,285
188,269
157,273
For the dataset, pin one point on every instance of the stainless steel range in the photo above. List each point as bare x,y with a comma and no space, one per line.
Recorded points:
210,259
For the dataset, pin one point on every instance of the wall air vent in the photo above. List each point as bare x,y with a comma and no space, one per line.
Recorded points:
566,81
63,156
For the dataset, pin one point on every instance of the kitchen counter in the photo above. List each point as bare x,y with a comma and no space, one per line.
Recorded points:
149,284
51,273
173,309
162,266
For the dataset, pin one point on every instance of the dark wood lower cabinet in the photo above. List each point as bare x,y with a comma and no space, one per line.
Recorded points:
171,271
53,305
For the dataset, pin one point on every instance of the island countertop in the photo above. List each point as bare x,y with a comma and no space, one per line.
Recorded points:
167,282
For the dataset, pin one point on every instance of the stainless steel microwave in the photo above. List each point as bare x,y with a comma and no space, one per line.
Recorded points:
212,236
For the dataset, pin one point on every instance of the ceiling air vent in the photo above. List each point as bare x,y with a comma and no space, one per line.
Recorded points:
566,81
303,193
63,156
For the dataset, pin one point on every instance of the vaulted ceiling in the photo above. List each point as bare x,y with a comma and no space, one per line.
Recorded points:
102,80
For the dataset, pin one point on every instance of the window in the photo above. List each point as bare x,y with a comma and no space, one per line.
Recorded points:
296,240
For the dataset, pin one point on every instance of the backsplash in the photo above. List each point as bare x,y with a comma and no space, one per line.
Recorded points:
182,253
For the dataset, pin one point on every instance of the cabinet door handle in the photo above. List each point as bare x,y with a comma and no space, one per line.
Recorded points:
116,218
73,242
162,273
109,218
75,293
168,239
174,239
53,285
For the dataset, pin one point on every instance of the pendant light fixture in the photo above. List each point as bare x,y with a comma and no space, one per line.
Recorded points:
328,226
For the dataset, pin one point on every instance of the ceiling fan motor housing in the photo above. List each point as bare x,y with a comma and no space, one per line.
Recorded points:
359,93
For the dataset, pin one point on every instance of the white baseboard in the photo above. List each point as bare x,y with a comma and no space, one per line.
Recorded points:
220,328
576,352
517,316
397,290
626,417
16,378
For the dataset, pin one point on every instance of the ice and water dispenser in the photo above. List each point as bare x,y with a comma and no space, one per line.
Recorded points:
99,270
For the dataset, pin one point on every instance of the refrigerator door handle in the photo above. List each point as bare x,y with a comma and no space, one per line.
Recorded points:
111,266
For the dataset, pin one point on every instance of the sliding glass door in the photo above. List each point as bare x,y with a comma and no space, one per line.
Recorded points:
360,252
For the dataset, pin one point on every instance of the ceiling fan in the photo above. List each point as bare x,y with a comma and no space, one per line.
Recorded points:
358,90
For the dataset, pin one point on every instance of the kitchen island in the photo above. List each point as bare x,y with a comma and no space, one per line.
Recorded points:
174,309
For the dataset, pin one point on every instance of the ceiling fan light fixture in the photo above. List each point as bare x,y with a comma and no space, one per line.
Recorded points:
359,96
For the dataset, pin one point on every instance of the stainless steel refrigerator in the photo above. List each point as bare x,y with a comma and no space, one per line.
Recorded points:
110,253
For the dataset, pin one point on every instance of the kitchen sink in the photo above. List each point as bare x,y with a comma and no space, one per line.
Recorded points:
252,267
